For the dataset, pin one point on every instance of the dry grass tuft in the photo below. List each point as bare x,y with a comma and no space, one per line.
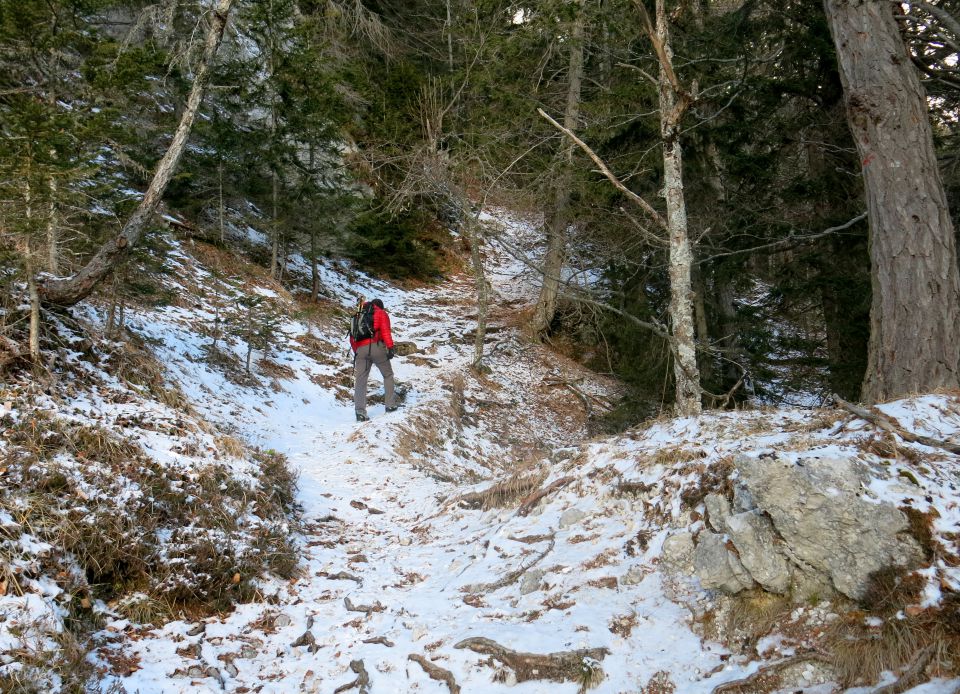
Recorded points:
716,479
860,652
130,524
503,494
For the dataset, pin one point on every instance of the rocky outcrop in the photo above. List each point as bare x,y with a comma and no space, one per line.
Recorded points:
797,520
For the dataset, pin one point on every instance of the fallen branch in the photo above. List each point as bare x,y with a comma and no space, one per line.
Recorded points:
911,675
509,578
748,684
382,640
367,609
362,682
436,672
581,665
888,423
527,505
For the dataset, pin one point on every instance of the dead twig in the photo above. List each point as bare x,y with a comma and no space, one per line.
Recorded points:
888,423
511,577
382,640
362,682
528,503
436,672
580,665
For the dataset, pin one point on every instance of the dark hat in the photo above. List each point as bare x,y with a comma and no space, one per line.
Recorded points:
378,303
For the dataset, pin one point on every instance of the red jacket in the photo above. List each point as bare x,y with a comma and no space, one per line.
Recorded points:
381,331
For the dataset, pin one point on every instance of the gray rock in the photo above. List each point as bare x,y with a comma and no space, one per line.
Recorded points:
717,567
634,576
571,516
231,669
718,511
282,620
815,506
531,581
677,553
753,535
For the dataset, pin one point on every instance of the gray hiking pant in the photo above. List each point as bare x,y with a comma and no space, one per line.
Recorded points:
366,357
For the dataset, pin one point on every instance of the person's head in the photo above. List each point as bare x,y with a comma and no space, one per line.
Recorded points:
378,303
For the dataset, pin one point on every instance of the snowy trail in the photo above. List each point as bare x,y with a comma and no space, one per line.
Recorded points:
367,516
388,558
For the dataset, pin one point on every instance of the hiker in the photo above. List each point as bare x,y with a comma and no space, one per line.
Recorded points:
372,320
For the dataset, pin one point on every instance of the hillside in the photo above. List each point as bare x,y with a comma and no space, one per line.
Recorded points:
479,539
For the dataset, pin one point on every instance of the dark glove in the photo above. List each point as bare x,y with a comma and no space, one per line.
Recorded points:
390,353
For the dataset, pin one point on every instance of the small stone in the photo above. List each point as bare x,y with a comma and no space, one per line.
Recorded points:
195,671
404,541
633,576
306,639
282,620
197,629
231,669
571,517
531,582
248,652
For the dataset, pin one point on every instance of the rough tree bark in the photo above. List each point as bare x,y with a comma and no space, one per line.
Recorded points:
557,218
673,104
69,291
915,311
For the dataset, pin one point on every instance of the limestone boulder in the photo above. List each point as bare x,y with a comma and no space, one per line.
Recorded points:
820,511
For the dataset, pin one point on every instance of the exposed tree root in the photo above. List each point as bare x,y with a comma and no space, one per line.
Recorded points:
581,665
767,673
362,682
888,423
511,577
912,675
527,505
436,672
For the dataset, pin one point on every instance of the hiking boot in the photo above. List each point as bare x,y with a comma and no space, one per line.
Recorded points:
393,409
361,417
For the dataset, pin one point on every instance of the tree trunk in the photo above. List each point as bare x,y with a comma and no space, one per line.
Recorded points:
69,291
31,273
34,307
685,371
481,284
557,219
915,312
703,326
314,270
53,228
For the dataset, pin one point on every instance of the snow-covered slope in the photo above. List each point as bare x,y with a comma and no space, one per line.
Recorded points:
480,520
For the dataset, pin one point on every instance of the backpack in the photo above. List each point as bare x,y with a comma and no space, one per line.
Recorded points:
361,325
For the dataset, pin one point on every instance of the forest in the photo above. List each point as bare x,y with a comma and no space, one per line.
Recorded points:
677,289
709,222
